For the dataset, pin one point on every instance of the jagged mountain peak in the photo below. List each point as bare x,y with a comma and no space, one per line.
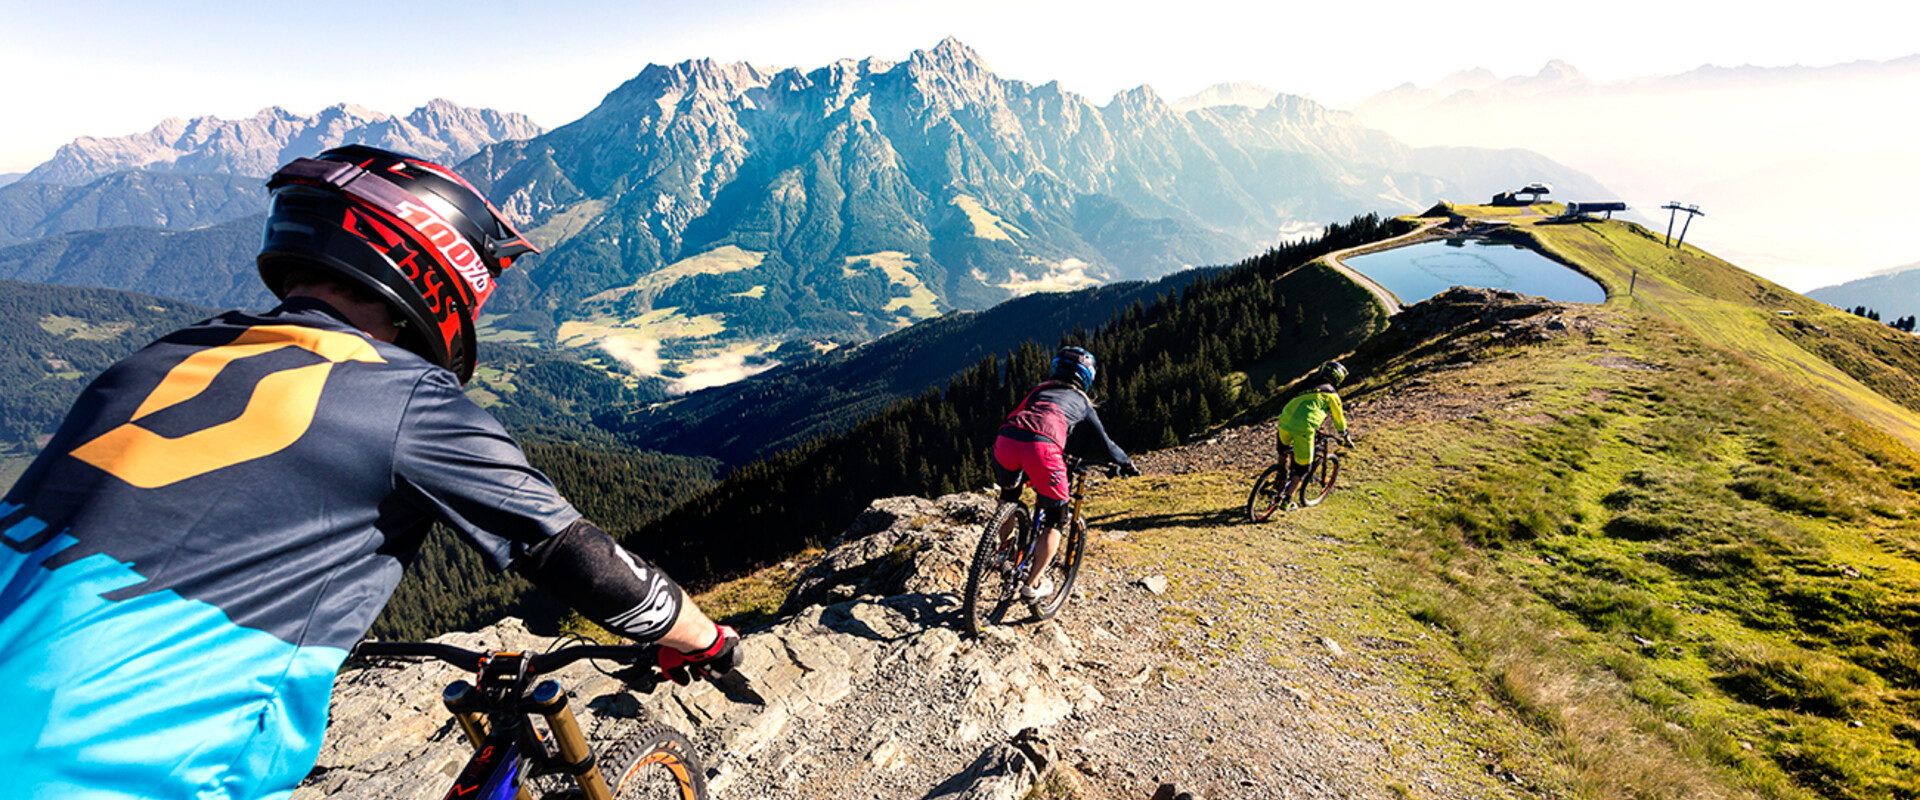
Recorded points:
1142,96
953,61
701,75
952,76
1558,69
952,51
1140,105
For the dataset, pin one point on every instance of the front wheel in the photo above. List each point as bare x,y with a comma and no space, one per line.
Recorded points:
657,762
991,579
1265,497
1319,480
1064,569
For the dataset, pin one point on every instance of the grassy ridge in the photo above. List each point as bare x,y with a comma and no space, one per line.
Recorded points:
1683,539
1864,368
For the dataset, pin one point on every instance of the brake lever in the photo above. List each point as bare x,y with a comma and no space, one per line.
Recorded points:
642,677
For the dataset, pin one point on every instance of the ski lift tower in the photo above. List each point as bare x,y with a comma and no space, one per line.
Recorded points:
1674,209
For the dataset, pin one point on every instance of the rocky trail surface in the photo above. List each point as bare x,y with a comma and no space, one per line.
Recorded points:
1236,660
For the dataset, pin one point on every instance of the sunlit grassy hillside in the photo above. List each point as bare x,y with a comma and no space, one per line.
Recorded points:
1677,535
1681,538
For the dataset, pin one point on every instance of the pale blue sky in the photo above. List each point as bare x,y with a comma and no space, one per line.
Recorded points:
114,67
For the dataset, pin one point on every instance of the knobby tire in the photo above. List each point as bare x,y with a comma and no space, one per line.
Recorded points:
1265,497
989,593
653,764
1319,480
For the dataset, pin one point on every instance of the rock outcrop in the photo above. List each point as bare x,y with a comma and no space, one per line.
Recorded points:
868,679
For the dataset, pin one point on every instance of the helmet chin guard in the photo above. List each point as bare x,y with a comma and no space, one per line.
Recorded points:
411,231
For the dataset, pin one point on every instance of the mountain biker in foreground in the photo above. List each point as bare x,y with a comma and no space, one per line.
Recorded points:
1301,419
1032,445
221,515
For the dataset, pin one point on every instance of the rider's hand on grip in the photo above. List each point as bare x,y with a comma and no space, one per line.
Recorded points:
707,664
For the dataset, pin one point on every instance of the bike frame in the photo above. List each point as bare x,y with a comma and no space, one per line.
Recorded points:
1028,537
495,715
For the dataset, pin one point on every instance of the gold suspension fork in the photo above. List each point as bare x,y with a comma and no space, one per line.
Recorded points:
550,702
464,701
461,699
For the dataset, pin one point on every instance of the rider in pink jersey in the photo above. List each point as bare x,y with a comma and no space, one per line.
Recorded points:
1032,446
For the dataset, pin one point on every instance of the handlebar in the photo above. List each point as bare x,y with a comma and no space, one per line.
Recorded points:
1081,466
536,664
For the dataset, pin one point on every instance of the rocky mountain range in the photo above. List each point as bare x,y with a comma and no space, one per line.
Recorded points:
985,182
705,213
256,146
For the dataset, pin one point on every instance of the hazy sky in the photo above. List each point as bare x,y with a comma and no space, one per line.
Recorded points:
114,67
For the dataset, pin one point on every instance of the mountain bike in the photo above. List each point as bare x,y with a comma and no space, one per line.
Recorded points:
1004,558
515,756
1270,491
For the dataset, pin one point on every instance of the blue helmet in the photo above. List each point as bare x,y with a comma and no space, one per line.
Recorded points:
1074,364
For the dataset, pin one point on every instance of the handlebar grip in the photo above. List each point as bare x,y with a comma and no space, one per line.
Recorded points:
465,659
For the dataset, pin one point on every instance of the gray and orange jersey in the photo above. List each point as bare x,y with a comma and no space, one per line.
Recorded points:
216,523
1053,412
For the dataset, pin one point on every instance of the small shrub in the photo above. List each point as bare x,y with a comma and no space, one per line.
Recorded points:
1785,491
1644,528
1611,606
1791,680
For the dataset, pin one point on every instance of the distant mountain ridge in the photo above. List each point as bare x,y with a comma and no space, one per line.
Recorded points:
1895,293
211,266
173,201
440,130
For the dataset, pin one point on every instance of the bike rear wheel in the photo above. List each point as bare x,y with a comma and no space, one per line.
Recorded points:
657,762
1265,497
1064,570
992,579
1319,480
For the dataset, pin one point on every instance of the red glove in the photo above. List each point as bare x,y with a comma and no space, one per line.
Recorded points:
708,664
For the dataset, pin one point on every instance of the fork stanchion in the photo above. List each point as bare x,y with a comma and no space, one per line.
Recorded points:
550,702
465,703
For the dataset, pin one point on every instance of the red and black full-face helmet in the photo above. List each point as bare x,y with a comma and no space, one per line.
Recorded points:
410,230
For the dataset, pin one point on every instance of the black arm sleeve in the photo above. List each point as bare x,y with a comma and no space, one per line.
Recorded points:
587,569
1097,445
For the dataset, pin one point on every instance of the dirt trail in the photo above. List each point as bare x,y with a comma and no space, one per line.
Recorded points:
1272,666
